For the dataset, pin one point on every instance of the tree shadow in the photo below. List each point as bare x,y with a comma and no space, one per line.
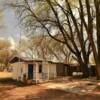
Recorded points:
56,94
10,82
48,94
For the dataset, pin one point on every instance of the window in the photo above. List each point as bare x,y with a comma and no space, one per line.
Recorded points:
40,68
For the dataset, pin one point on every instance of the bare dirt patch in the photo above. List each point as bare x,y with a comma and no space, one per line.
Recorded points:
60,89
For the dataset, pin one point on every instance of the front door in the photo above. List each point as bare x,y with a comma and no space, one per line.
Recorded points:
30,71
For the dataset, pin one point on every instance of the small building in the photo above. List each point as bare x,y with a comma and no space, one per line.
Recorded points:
36,70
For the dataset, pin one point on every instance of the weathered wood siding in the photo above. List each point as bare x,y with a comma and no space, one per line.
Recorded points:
60,69
19,69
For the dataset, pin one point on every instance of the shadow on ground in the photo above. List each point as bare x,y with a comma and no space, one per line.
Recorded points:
9,81
56,94
8,84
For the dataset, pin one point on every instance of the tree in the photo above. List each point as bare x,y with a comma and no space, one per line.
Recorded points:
6,55
1,19
5,51
44,47
91,25
59,17
95,43
4,44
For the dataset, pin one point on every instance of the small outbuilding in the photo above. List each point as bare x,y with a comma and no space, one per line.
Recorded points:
36,70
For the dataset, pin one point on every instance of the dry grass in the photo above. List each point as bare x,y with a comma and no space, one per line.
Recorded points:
5,75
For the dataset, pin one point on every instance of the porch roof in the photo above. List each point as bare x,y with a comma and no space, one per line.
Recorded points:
22,59
28,60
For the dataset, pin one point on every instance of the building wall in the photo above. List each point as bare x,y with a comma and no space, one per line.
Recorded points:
49,70
37,75
60,69
20,70
52,71
14,69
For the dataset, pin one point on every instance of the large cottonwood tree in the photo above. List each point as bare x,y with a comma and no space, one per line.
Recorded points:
61,17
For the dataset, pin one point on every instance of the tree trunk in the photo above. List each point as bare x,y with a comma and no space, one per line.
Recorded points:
85,70
98,71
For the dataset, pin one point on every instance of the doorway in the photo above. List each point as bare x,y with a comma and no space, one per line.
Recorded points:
30,71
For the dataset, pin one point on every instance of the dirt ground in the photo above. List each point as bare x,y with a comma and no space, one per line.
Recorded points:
5,75
59,89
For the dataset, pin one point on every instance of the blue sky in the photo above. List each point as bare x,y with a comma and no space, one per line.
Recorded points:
10,23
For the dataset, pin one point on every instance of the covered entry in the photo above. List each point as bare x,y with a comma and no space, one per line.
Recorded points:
30,71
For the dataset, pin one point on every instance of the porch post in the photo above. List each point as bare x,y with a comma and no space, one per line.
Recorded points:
48,72
36,72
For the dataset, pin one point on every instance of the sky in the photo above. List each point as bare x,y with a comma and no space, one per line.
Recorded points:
9,23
